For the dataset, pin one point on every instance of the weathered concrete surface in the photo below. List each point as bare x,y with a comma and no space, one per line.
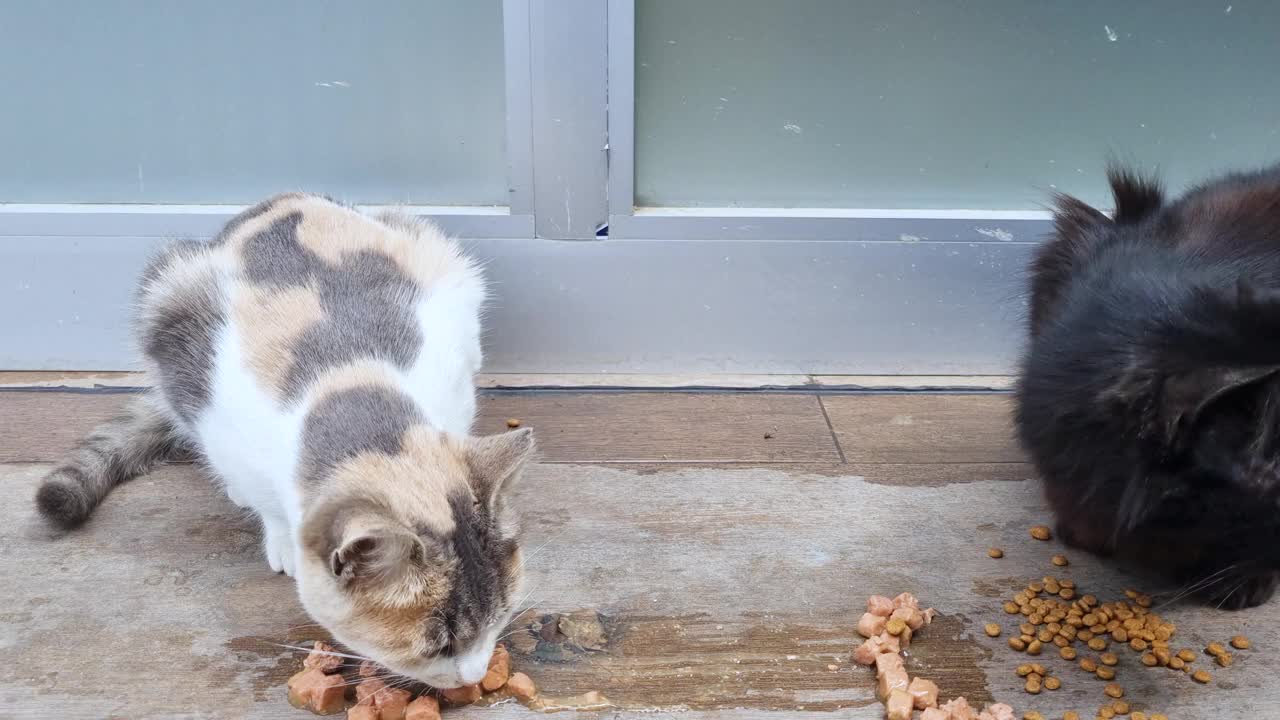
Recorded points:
725,593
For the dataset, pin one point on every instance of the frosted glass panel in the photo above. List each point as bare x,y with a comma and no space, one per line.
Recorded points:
944,103
136,101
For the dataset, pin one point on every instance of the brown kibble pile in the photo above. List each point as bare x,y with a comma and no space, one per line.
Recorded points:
1052,613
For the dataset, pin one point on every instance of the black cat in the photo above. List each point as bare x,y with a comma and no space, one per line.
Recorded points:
1149,396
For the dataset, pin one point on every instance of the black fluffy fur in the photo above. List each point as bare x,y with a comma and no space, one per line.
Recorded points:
1149,396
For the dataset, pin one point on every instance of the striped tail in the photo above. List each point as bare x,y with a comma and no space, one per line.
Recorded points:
116,451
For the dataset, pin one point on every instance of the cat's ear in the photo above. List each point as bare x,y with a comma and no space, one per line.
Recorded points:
1077,229
374,555
1242,324
1136,195
496,461
1186,396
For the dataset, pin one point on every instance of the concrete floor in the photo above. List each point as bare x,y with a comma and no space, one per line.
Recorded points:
729,568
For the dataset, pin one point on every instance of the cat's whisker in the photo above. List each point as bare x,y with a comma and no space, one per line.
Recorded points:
311,650
523,599
534,553
514,632
1199,585
1227,597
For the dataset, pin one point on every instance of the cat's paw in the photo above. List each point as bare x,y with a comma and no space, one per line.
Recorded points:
1240,595
1084,536
278,547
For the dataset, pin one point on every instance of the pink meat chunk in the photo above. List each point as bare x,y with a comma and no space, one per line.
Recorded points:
906,600
866,653
891,680
924,693
890,641
879,605
959,709
886,662
323,658
1000,711
912,617
870,624
898,706
935,714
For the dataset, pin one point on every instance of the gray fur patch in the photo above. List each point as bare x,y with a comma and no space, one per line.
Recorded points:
352,421
245,216
275,258
368,313
480,582
179,336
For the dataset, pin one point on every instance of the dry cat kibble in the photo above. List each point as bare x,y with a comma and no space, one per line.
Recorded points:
1059,560
1041,532
513,422
992,630
1240,642
996,553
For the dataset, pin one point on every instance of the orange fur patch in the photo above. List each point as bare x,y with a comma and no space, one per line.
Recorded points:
416,482
269,323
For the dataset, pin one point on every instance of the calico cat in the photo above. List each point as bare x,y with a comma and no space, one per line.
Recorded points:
320,363
1149,396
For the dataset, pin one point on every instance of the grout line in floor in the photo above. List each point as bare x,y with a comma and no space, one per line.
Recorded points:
834,438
